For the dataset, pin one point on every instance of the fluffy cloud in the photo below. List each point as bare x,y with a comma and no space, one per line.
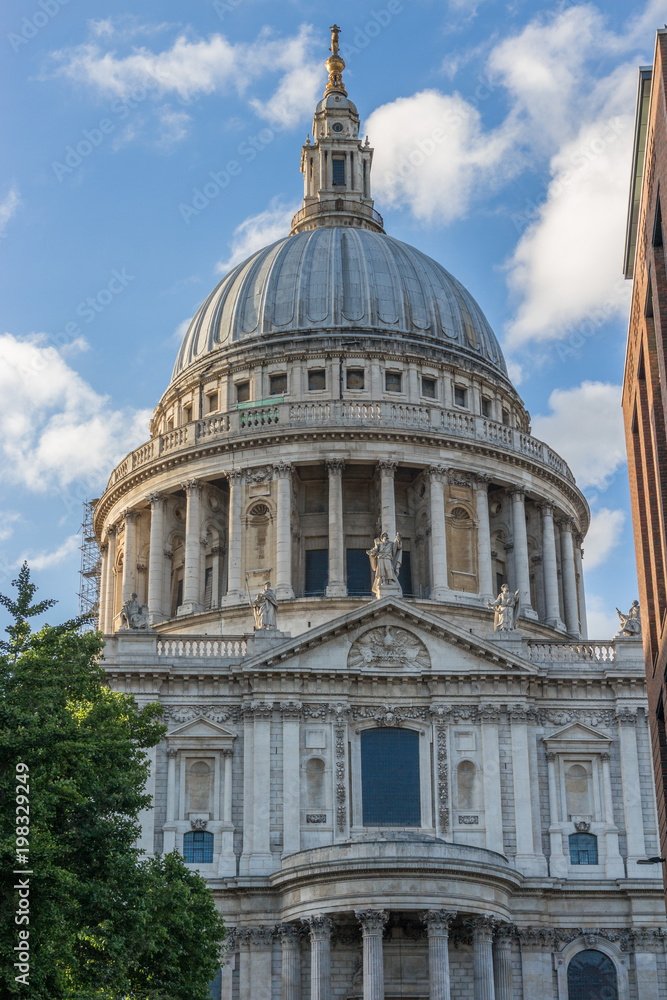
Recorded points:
258,231
54,428
8,519
594,456
602,620
603,535
193,67
9,206
47,560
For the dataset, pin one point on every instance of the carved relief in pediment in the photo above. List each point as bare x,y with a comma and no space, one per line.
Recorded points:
389,647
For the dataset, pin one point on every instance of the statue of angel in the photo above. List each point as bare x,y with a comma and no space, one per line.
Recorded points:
506,607
631,624
386,558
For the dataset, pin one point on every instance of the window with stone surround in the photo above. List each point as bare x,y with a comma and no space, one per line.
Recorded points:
591,976
460,396
198,847
242,392
393,382
583,849
278,384
317,380
429,388
390,777
355,378
338,171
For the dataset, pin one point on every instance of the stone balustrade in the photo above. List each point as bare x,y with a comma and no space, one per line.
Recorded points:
570,652
345,414
230,647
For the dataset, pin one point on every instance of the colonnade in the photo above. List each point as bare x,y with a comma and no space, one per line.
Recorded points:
559,590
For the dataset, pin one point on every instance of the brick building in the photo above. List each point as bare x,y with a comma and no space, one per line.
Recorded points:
645,395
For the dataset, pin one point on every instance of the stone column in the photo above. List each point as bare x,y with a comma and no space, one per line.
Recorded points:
110,593
283,586
525,859
438,923
520,540
130,555
569,578
387,500
216,552
550,566
439,577
261,861
614,867
291,713
291,954
581,592
372,925
493,811
336,585
102,604
228,756
169,834
485,568
646,942
502,961
255,953
192,564
156,558
632,800
320,957
558,862
235,592
482,956
537,947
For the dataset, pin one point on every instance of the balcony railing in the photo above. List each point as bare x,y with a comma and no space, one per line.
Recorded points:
334,206
341,413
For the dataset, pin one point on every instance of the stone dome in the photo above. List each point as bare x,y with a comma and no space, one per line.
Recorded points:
340,280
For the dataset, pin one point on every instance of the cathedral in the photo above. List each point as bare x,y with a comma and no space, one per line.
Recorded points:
353,580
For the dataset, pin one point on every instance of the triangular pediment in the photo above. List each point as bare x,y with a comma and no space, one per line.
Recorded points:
578,731
577,736
201,726
392,634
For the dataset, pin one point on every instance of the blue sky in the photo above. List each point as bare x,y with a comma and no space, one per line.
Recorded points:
502,135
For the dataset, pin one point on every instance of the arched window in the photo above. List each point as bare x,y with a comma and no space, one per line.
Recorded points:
200,787
577,790
466,785
198,847
390,777
315,796
591,976
583,849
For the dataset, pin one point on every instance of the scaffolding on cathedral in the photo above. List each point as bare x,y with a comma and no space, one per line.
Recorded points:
89,594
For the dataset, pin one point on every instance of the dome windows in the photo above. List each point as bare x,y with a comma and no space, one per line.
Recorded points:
317,380
460,396
429,388
278,384
242,392
338,171
393,382
355,378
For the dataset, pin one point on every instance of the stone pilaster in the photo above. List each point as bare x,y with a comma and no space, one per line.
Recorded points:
520,540
614,867
192,567
156,610
130,555
110,593
336,585
235,592
558,863
439,577
372,925
102,608
438,923
283,585
387,499
485,568
169,828
632,801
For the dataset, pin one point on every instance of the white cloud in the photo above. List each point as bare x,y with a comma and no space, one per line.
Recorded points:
593,456
46,560
174,126
54,427
9,206
258,231
603,535
602,620
8,519
180,331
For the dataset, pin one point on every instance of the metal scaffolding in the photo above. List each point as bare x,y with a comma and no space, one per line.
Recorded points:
89,594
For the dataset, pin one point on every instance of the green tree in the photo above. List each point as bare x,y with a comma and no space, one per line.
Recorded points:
105,924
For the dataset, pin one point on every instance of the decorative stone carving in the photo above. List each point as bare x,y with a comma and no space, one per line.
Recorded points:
261,709
372,921
631,624
283,470
506,607
335,466
457,478
320,927
626,717
443,778
290,933
134,616
388,647
264,608
316,817
385,557
341,789
291,709
582,826
439,921
255,937
263,474
198,824
541,938
186,713
157,499
469,820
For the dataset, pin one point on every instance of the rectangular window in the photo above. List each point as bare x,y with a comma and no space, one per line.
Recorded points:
486,407
317,571
187,414
355,378
405,575
393,381
429,388
460,396
242,392
358,572
338,172
506,418
277,385
208,586
317,380
390,777
212,402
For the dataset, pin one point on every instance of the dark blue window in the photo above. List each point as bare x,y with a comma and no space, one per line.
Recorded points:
358,572
198,847
405,575
591,976
338,172
317,571
390,777
583,849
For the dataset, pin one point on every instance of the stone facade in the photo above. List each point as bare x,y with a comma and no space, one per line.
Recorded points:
280,458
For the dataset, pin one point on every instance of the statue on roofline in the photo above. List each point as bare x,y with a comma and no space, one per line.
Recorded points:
506,607
265,607
631,624
386,558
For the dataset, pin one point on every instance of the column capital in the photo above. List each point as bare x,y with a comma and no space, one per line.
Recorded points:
172,752
503,933
335,466
551,756
437,473
227,752
545,507
387,468
283,470
129,515
605,757
255,937
233,475
157,499
289,934
517,493
481,482
482,926
439,921
626,717
320,927
372,921
565,523
192,487
112,530
103,547
291,709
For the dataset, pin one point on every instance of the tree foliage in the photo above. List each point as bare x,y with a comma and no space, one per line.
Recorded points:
105,924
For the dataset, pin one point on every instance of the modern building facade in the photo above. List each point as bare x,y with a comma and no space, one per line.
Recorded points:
645,397
387,797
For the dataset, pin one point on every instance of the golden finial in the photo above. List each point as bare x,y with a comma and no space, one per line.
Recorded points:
335,64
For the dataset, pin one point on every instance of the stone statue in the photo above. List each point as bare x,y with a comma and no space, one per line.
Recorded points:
506,607
386,558
265,607
631,624
134,616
